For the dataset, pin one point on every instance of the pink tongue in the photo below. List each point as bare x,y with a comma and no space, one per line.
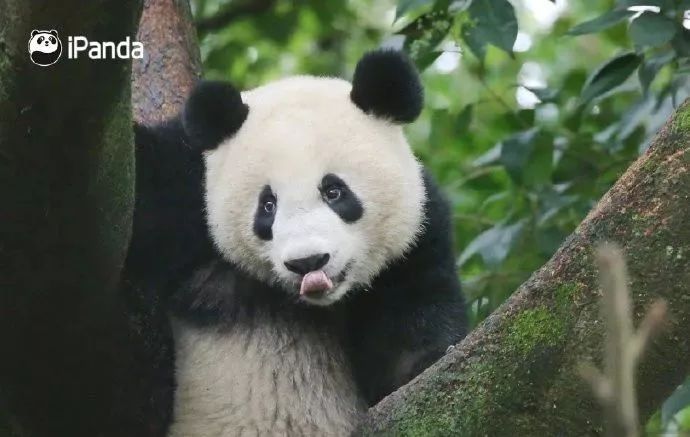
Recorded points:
315,282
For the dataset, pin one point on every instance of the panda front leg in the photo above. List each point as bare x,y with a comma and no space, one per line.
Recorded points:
412,312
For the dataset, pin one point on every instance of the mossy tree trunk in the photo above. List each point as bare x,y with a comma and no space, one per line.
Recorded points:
66,184
72,354
516,373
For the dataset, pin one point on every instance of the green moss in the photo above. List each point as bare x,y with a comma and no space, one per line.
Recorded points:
452,409
682,119
534,328
563,296
479,399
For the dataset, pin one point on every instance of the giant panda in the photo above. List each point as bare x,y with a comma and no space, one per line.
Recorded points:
300,252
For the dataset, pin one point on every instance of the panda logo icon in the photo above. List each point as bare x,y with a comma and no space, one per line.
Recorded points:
45,47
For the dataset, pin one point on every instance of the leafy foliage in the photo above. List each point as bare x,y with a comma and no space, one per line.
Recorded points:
551,160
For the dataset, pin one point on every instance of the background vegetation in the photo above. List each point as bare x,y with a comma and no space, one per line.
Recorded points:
533,107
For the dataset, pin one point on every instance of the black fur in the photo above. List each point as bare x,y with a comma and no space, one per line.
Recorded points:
214,112
414,309
411,313
348,206
263,220
169,241
386,84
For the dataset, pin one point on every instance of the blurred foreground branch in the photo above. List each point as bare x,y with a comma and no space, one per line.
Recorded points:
615,388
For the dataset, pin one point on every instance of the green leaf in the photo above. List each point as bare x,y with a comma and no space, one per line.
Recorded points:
653,426
682,419
423,35
491,156
424,60
405,6
545,95
474,41
494,244
678,400
528,157
634,116
602,22
493,22
463,120
681,43
651,66
652,29
515,152
609,75
548,240
537,171
551,202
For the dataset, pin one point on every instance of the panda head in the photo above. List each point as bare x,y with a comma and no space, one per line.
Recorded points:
45,47
310,182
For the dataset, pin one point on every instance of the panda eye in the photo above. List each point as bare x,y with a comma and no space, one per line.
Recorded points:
269,205
40,39
52,40
333,194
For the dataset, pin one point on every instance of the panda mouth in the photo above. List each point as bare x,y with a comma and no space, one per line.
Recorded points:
315,283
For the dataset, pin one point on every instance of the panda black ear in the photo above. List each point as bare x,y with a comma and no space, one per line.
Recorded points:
214,112
386,84
34,32
53,32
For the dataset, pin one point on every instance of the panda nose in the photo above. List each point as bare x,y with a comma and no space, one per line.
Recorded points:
302,266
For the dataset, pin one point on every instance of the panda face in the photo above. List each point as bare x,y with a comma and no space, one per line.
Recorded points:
45,47
312,193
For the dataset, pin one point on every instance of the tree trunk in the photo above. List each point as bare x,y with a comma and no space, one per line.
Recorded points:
162,80
66,184
515,374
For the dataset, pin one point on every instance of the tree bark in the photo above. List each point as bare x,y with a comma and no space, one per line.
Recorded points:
171,66
66,184
516,373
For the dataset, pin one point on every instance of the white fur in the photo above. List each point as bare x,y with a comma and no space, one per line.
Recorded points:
273,376
270,378
299,129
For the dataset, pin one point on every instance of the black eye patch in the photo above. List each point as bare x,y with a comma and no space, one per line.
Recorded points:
265,214
340,198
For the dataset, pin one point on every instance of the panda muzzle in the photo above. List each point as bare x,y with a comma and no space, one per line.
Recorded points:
315,282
